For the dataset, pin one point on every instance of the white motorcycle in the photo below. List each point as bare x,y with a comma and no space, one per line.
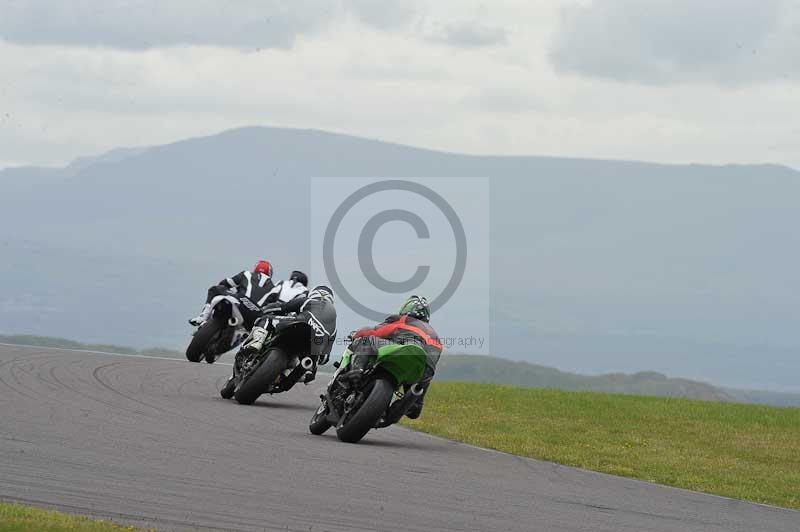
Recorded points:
229,324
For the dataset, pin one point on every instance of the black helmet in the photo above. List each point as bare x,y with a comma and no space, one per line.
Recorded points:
322,293
300,277
416,307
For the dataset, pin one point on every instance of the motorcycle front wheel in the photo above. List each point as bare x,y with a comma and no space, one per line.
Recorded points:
355,425
262,377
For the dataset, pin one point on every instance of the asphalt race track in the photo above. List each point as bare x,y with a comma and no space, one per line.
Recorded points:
150,442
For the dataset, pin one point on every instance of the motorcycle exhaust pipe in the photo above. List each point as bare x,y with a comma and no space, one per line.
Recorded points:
307,363
417,389
233,322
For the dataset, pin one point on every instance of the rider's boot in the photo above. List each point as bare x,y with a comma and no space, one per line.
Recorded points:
352,377
257,337
202,317
309,375
415,410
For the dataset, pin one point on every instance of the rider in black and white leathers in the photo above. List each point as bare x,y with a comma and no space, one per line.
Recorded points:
295,286
255,285
316,309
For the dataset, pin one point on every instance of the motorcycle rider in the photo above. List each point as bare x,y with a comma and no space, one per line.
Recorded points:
317,310
256,285
409,325
285,291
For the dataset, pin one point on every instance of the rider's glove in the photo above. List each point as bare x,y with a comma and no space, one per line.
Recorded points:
272,308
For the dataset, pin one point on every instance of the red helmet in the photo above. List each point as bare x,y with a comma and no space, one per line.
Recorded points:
263,266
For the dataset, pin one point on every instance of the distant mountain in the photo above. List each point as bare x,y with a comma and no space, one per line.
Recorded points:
13,179
16,178
494,370
487,369
596,266
764,397
500,371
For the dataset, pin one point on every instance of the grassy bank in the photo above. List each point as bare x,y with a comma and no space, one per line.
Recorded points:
743,451
17,518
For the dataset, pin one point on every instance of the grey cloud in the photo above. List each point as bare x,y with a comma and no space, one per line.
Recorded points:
507,100
668,41
384,15
143,24
401,68
470,35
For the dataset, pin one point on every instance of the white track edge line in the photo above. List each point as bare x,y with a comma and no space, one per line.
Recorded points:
130,355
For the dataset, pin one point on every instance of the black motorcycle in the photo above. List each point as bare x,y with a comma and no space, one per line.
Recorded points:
231,319
282,361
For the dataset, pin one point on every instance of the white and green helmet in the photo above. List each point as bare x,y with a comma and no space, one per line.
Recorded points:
416,307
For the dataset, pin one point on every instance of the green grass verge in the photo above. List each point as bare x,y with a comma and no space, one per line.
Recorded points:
749,452
18,518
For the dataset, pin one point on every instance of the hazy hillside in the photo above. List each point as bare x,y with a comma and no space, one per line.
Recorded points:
494,370
596,266
499,371
12,179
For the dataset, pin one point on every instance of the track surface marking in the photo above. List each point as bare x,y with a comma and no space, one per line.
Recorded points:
150,442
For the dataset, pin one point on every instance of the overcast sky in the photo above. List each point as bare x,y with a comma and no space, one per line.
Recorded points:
661,80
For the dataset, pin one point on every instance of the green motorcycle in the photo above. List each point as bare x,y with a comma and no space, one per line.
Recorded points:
376,395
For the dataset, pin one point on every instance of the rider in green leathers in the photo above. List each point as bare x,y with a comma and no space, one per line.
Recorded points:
409,326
